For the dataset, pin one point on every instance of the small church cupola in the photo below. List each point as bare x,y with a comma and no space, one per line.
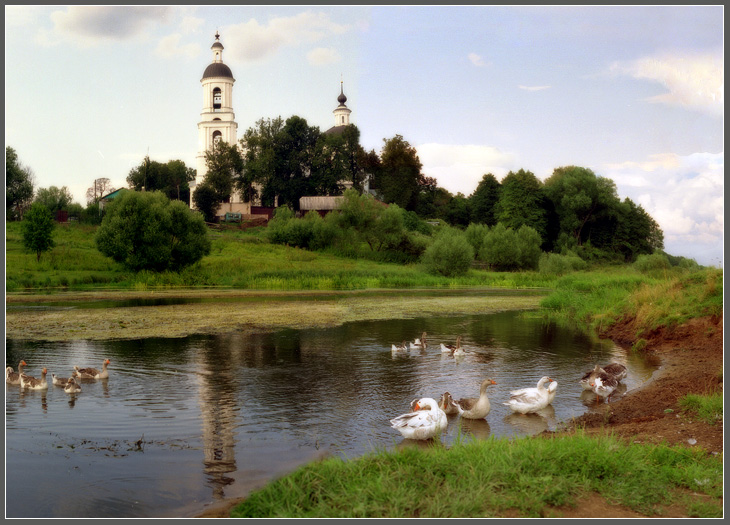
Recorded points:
342,112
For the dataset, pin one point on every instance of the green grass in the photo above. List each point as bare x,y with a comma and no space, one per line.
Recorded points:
490,477
238,259
708,408
599,298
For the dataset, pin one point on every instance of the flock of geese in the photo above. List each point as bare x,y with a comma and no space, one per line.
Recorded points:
428,418
71,385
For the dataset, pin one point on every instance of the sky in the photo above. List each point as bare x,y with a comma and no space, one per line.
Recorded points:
634,93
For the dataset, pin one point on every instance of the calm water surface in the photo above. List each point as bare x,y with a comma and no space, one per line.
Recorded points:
183,423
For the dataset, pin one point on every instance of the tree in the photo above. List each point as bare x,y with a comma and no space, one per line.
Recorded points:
522,202
636,233
259,160
172,178
18,185
580,198
102,186
337,158
458,211
507,249
146,231
38,229
484,200
399,180
54,199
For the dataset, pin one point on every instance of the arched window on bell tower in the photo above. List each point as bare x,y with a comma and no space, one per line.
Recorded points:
217,99
217,136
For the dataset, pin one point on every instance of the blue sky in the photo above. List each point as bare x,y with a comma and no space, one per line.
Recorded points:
634,93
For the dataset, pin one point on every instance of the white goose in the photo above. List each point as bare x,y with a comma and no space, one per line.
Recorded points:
399,348
427,421
552,390
33,383
449,349
12,377
477,407
93,373
419,344
530,400
72,387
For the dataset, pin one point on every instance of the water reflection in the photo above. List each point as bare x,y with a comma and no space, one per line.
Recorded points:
211,416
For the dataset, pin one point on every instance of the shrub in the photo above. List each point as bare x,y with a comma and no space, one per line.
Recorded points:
145,231
450,254
557,264
651,263
504,249
475,234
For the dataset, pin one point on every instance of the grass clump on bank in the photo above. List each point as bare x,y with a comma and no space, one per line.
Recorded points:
487,478
598,299
708,408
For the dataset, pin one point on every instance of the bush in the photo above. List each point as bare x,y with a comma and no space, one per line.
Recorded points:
145,231
557,264
651,263
450,254
504,249
475,234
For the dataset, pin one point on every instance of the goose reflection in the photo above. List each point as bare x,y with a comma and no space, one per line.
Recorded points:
535,423
479,428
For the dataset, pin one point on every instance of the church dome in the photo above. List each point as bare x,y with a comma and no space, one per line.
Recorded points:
342,99
217,69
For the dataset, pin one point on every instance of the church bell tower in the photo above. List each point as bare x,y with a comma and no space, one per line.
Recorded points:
217,120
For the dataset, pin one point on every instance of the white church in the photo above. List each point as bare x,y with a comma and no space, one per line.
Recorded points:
218,122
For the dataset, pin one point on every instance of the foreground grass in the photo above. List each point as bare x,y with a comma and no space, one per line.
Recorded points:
708,408
491,477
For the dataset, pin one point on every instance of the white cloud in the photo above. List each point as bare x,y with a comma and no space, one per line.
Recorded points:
169,47
252,41
692,81
322,56
91,25
190,24
684,194
459,168
533,88
476,60
22,15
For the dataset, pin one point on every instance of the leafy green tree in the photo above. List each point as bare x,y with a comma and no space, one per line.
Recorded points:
337,158
172,178
145,231
637,233
450,254
522,202
399,179
38,229
54,198
206,201
458,212
259,160
581,200
484,200
18,185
